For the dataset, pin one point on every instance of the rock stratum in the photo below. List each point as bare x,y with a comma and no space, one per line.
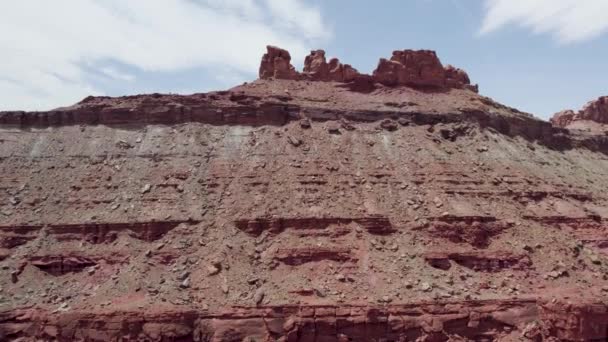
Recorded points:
413,68
593,117
322,205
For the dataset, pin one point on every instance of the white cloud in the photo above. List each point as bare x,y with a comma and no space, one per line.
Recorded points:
567,20
112,72
49,47
293,14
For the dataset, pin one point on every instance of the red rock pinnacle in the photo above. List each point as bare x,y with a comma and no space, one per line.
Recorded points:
317,69
276,64
413,68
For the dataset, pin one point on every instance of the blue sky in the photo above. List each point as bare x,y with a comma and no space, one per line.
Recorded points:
540,56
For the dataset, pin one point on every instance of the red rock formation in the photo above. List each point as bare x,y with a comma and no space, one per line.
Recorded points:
578,319
459,321
483,261
317,69
315,66
300,210
458,78
298,256
510,320
412,68
474,230
11,236
339,72
595,111
70,262
420,68
276,63
563,118
374,224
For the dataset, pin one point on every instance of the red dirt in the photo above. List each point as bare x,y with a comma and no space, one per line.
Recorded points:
301,210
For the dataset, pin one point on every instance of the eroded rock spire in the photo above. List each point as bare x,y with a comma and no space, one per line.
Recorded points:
413,68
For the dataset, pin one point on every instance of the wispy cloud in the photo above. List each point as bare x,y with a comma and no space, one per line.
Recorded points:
113,73
48,48
567,20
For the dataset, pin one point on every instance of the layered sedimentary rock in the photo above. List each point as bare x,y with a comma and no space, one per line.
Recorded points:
300,207
316,68
413,68
595,111
563,118
420,68
276,63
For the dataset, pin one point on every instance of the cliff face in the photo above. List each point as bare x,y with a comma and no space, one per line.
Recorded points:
595,111
324,205
414,68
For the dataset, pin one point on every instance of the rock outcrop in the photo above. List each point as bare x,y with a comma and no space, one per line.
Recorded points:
563,118
595,111
490,320
412,68
420,68
276,63
316,68
458,78
314,206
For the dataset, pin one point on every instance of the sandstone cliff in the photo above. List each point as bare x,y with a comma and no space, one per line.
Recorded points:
411,68
595,111
322,205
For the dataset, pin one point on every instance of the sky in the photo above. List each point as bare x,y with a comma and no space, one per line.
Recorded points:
540,56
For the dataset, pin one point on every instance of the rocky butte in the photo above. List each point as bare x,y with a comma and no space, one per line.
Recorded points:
315,205
414,68
593,115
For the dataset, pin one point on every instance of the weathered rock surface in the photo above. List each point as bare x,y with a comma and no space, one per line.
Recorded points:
413,68
410,67
458,78
316,68
315,65
314,206
595,111
563,118
276,63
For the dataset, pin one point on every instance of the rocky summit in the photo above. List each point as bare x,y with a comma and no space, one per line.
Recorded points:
321,205
593,114
414,68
